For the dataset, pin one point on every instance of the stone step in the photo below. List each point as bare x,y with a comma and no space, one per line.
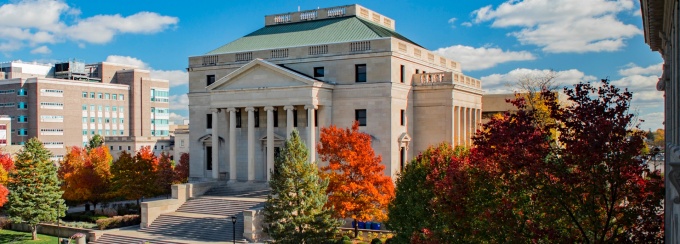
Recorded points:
119,239
199,229
228,192
217,206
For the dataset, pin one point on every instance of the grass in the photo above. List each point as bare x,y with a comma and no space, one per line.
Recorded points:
10,236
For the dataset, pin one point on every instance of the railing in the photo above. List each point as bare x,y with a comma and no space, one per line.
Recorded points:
309,15
244,56
445,78
210,60
336,12
316,50
279,53
360,46
285,18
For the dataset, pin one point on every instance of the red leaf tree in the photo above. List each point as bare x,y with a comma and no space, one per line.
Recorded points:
580,178
182,170
358,187
6,165
164,174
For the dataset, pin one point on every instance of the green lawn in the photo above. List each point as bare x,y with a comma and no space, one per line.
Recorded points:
10,236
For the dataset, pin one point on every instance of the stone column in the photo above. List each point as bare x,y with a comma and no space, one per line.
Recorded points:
467,126
454,125
311,143
232,143
289,120
215,144
251,143
479,119
461,123
270,140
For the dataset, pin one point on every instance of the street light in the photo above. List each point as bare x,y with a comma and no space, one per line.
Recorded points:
233,224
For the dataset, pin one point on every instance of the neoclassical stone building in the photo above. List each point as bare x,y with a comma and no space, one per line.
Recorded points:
311,69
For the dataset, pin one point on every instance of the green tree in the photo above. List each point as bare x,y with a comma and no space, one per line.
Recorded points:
294,209
35,194
95,142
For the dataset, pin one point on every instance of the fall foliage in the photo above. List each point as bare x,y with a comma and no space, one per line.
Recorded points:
86,175
181,170
357,186
6,166
135,177
164,175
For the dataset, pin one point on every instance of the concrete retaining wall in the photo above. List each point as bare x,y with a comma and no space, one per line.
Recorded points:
59,231
180,194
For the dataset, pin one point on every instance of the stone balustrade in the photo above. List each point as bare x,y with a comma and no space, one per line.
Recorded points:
425,79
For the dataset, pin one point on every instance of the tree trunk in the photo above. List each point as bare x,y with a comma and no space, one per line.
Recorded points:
34,232
356,229
94,207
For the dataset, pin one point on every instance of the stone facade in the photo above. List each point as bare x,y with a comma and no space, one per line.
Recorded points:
660,20
409,99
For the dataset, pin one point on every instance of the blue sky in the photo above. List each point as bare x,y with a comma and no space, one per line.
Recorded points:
496,41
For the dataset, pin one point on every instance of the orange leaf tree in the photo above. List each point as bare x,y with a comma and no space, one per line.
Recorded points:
357,188
86,175
164,174
135,177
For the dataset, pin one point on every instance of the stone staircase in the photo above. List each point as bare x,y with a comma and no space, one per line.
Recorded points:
205,218
120,239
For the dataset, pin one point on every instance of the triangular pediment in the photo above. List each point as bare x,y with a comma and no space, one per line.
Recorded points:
276,138
261,74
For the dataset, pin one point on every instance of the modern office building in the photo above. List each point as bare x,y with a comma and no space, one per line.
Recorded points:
310,69
660,20
65,104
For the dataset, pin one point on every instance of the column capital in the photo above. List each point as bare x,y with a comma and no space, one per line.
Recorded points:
215,110
250,109
267,108
231,110
288,107
311,106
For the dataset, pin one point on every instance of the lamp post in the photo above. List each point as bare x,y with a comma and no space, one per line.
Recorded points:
233,224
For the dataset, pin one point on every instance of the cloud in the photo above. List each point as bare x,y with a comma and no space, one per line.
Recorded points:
472,58
466,24
506,83
175,77
560,26
633,69
652,121
179,102
41,50
452,22
35,22
177,118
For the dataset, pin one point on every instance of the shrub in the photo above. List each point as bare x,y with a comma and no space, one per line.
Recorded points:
376,241
5,223
83,217
118,221
389,241
344,240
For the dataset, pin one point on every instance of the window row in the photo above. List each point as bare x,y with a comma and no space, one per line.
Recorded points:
103,132
160,122
51,130
51,91
105,120
11,91
160,132
105,108
360,71
106,96
160,110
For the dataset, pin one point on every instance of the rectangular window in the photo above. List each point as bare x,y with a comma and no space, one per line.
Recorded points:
92,108
114,96
99,108
403,117
295,117
257,118
22,105
121,121
84,107
417,71
129,148
106,108
84,132
402,157
114,109
84,119
91,94
360,73
100,95
22,118
22,92
318,72
84,94
121,97
402,73
120,148
208,121
276,117
92,120
209,79
360,115
238,118
107,96
208,158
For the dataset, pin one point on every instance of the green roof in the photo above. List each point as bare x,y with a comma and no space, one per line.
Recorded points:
345,29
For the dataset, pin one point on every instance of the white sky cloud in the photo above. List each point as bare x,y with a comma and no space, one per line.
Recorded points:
560,26
175,77
633,69
505,83
34,22
472,58
41,50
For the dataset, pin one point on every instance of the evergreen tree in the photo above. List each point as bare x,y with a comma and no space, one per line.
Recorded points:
35,194
294,209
